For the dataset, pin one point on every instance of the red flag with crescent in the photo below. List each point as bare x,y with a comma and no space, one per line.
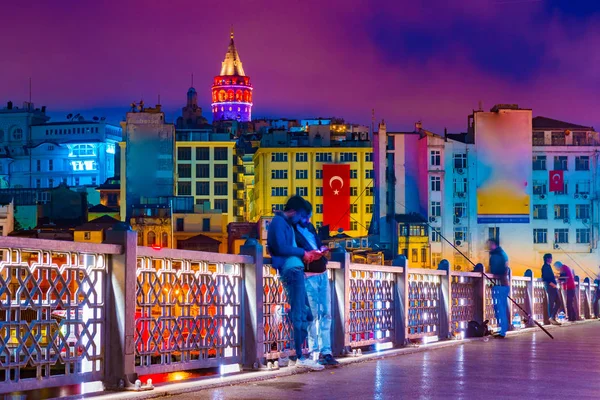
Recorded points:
557,182
336,196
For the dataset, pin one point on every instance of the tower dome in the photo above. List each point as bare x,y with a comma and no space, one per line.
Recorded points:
231,89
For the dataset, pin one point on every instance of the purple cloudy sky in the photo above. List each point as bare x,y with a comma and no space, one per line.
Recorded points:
409,60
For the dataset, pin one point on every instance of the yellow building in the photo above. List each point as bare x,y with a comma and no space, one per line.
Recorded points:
94,230
208,168
280,172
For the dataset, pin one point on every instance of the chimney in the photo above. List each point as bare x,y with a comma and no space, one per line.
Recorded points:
10,105
418,126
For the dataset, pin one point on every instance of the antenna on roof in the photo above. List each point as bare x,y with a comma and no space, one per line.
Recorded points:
192,79
30,90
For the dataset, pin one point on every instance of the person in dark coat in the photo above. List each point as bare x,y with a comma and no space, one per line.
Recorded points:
499,267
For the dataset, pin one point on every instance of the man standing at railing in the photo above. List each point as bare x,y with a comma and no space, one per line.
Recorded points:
597,296
499,267
288,259
318,291
551,289
567,278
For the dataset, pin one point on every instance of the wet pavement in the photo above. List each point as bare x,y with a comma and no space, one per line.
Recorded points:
523,366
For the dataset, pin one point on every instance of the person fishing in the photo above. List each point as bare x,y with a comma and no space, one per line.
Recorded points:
499,267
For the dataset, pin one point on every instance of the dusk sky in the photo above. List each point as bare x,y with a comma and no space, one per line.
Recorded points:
409,60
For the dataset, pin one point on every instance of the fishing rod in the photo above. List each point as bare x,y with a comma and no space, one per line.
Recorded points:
585,270
492,280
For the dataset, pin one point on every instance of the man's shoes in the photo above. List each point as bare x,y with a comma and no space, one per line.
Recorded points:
499,336
329,361
554,322
308,363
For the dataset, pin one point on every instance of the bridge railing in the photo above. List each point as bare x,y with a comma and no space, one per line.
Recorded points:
73,312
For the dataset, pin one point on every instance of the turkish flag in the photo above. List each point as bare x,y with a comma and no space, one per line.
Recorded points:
557,182
336,196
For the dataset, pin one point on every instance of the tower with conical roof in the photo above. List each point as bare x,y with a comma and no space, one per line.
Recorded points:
231,89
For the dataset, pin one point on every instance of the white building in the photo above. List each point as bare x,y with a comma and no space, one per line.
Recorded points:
493,181
41,154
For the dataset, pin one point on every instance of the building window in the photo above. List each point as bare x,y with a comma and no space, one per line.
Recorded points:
436,209
539,139
38,183
17,134
165,240
221,204
436,259
279,191
460,185
184,170
319,225
391,143
435,183
558,139
151,238
423,255
202,153
279,174
539,187
202,202
460,161
561,235
82,150
319,174
353,225
184,153
279,157
540,236
319,191
301,174
202,171
435,236
353,208
180,225
76,181
540,211
582,211
87,235
353,191
369,174
460,234
369,191
302,191
221,170
539,163
353,174
220,188
560,163
319,209
494,234
460,210
205,224
202,188
301,157
435,158
582,163
323,157
369,208
369,156
582,187
184,188
50,165
220,153
348,157
564,189
38,165
561,211
583,236
277,207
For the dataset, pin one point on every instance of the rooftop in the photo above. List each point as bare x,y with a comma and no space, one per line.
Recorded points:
543,123
99,224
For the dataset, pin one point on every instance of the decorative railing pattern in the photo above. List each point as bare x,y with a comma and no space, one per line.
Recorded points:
463,289
539,299
488,305
188,311
424,295
371,304
519,294
52,313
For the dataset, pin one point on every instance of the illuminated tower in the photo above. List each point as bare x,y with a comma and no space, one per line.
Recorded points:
231,90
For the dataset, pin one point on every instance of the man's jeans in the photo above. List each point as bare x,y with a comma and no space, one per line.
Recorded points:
596,305
319,298
500,295
553,302
292,279
571,309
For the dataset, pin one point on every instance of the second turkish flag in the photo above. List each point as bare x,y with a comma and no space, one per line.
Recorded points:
336,196
557,182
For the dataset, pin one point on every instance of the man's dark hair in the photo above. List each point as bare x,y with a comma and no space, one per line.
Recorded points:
547,256
309,207
494,240
295,203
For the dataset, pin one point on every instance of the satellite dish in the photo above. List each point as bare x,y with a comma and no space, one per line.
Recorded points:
95,118
69,116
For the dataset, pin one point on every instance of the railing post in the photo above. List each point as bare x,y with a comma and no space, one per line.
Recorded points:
578,310
341,279
252,306
119,369
529,299
401,304
445,303
588,299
